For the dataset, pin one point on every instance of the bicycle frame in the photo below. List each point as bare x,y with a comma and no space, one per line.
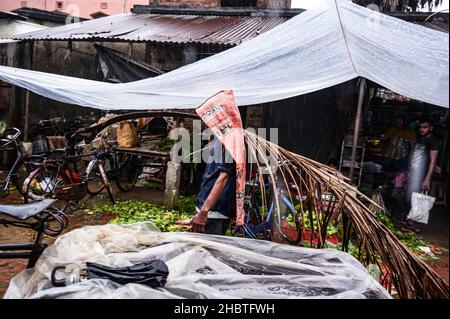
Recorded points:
9,177
4,190
97,161
262,226
32,251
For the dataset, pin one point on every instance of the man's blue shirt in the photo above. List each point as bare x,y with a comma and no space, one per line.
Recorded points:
219,161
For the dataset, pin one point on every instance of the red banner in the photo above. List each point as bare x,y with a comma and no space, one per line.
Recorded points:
221,115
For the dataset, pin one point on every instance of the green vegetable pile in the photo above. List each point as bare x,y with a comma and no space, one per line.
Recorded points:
186,205
166,144
331,228
409,239
133,211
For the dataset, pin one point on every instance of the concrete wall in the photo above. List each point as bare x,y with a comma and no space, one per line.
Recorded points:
78,59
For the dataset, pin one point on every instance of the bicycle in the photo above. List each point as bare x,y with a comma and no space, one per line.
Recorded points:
264,221
128,169
55,175
96,177
17,173
41,217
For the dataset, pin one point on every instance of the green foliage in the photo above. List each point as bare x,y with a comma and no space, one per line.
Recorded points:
166,145
352,249
331,228
409,239
186,205
133,211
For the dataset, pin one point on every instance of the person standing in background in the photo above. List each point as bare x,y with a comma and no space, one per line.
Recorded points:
399,143
423,160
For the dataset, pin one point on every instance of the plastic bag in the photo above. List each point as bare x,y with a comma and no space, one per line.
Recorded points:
127,134
421,205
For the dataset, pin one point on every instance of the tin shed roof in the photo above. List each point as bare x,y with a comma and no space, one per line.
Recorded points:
170,28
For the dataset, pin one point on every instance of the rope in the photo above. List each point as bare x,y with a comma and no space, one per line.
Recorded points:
345,38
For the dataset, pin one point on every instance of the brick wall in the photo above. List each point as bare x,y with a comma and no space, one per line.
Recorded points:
273,4
263,4
187,3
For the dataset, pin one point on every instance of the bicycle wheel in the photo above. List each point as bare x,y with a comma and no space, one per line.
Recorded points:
287,223
255,226
42,183
127,171
94,181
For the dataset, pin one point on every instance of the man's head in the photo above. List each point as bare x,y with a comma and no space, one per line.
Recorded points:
425,127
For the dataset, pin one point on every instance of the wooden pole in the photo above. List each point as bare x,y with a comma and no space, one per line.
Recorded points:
27,96
362,88
27,116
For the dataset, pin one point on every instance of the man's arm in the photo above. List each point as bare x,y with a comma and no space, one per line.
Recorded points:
198,222
431,168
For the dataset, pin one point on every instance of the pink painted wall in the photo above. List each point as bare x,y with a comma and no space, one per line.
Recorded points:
82,8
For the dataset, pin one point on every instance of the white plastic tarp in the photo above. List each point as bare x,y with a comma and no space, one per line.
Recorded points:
200,266
314,50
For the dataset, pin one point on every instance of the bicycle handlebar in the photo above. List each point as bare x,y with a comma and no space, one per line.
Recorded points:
10,138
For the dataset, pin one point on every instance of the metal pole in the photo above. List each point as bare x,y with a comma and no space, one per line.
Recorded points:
362,87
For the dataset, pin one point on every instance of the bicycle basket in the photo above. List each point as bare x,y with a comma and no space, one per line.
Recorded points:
40,145
75,191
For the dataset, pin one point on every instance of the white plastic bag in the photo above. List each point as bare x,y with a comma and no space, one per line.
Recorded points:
421,205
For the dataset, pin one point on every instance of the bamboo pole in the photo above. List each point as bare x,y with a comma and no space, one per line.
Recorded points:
27,116
362,87
27,96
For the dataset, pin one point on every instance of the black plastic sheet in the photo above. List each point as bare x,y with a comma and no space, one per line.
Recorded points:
150,273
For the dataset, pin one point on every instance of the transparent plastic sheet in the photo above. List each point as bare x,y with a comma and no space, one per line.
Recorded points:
200,266
314,50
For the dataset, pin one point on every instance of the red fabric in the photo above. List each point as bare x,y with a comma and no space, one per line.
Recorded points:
221,114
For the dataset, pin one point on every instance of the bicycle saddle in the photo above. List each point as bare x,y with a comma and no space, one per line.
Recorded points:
25,211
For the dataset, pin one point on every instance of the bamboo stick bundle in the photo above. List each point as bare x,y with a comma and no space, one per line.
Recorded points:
411,276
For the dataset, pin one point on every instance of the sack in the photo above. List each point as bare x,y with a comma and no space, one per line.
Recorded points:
127,134
26,148
56,142
421,205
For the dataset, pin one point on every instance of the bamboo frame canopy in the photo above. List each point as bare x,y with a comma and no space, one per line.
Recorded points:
319,48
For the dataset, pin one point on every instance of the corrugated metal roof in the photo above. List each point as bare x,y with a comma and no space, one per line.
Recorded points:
226,30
